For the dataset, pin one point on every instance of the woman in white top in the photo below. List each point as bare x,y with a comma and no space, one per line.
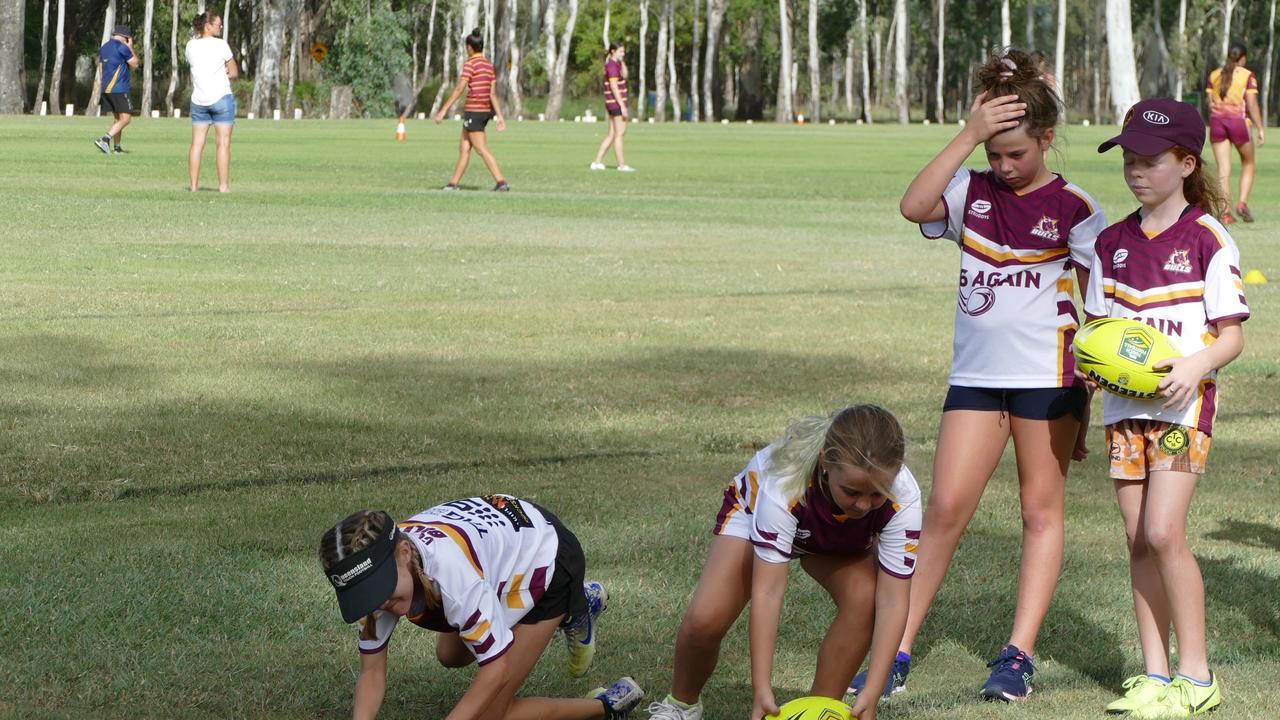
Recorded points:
212,103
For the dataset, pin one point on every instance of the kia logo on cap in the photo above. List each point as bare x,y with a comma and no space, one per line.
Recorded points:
1155,118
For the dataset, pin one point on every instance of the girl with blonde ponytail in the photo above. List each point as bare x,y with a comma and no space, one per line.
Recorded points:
833,493
496,577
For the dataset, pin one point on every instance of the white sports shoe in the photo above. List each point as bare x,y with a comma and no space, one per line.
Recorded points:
597,166
626,168
668,709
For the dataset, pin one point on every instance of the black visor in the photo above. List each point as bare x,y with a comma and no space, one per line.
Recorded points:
366,579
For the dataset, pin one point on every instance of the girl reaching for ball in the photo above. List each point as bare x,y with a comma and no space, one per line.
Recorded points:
496,577
1021,230
833,493
1172,265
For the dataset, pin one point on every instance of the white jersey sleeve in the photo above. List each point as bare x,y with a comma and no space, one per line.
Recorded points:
374,639
1095,297
898,544
471,606
1223,286
953,201
773,527
1084,233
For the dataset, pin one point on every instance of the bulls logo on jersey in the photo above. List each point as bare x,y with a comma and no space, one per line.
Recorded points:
1179,262
1046,228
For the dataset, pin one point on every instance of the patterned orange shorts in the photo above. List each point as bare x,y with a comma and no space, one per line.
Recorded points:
1141,447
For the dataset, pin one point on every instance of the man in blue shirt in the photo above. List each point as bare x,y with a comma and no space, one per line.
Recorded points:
117,59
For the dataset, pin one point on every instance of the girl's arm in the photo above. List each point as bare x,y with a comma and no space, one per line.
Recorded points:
497,108
922,203
453,98
488,683
370,686
1251,102
893,595
1081,450
768,585
1183,382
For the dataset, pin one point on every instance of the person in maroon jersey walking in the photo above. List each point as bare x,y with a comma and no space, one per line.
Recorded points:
477,80
615,104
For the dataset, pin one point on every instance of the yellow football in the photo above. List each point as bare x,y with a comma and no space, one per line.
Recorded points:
1118,355
813,708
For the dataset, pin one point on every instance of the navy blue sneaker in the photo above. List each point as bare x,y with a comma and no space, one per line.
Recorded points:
896,683
1011,676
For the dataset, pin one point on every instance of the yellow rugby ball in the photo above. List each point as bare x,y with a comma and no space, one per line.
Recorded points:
1118,354
813,707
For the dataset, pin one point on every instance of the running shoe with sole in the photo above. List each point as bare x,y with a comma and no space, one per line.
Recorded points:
449,188
104,144
619,698
1139,690
896,683
1011,675
600,166
671,709
626,168
502,187
1180,699
1227,219
1243,211
121,151
580,632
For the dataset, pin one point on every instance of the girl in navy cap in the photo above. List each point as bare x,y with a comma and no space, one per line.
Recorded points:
495,576
1172,265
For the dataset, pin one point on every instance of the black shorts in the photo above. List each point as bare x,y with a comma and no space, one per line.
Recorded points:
475,121
1027,403
613,112
117,103
564,596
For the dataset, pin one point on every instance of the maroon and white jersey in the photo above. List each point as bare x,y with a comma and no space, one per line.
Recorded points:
491,557
780,529
1015,312
1181,282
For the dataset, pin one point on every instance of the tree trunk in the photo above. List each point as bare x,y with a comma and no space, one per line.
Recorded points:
1124,78
444,63
715,24
266,86
1031,25
749,96
1059,62
1006,31
292,72
672,79
147,77
643,101
173,61
1180,49
815,80
1228,7
900,62
877,48
490,28
59,51
694,76
514,98
12,23
608,11
108,22
549,38
1266,74
942,66
660,65
44,57
226,23
556,99
784,113
425,77
866,69
848,75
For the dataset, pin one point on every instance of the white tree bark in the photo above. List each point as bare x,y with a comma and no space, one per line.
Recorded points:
866,67
815,80
44,59
108,22
12,24
556,98
1123,75
292,70
1059,62
1228,8
672,79
942,65
549,37
59,51
226,22
848,75
1181,51
173,60
900,62
147,78
489,28
694,76
266,85
608,11
470,16
1266,74
1031,25
514,96
784,113
715,24
445,54
1006,31
642,102
425,77
660,66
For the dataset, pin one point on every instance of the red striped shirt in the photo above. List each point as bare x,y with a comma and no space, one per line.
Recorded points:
478,73
613,69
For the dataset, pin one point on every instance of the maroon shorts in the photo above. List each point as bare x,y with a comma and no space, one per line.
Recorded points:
1228,127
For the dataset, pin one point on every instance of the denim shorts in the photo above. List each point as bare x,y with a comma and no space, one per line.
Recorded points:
222,112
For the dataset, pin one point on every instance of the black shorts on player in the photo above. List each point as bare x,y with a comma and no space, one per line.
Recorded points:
118,103
475,121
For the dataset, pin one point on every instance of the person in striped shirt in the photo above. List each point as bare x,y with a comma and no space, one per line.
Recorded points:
478,81
615,105
496,576
1172,265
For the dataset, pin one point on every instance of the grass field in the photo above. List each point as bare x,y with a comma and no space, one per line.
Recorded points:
196,385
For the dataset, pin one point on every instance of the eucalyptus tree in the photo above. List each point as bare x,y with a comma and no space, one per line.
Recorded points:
12,14
1123,76
715,27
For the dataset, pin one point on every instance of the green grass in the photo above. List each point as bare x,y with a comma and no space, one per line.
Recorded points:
195,385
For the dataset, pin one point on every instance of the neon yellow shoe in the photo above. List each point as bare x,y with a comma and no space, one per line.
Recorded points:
1140,690
1181,698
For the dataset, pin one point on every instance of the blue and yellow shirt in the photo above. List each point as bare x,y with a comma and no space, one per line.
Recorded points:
115,57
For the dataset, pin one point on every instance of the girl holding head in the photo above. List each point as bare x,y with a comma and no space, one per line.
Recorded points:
1233,96
1172,265
833,493
478,81
615,105
495,576
1021,231
212,69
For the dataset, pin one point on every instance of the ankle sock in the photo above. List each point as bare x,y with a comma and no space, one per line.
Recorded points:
1198,683
1162,678
903,657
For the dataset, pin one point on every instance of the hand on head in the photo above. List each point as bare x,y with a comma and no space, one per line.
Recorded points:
989,117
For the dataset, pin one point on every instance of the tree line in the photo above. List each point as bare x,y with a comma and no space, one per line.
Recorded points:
703,60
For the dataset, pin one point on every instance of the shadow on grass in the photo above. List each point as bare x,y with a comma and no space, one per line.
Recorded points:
1255,535
1232,586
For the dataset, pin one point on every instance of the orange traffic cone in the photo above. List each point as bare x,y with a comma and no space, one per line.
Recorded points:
400,129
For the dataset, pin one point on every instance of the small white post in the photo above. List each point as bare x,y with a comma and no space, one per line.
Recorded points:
155,114
422,116
44,107
275,114
177,113
297,113
250,116
71,110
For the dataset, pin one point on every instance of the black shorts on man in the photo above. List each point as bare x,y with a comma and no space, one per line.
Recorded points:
118,103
